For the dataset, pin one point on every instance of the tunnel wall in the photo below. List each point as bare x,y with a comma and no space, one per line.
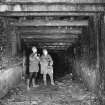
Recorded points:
102,55
85,63
8,37
84,70
86,73
9,79
82,67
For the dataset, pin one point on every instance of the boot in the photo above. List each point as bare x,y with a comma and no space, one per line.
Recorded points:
52,83
52,80
28,82
45,83
33,83
44,79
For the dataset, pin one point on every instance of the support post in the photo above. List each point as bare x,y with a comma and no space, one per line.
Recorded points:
97,24
14,42
19,48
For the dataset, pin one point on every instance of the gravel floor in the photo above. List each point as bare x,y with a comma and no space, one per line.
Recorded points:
65,92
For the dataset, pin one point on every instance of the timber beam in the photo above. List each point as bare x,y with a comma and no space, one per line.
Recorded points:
47,29
52,7
53,43
52,23
55,47
32,40
44,13
51,31
51,47
51,1
50,36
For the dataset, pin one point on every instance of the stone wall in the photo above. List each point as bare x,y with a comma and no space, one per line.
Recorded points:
86,57
86,73
9,79
8,37
102,55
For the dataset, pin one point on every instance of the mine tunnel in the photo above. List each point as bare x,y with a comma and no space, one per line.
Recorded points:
63,57
65,43
72,32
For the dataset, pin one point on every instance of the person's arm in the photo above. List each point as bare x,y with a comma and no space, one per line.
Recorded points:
50,60
31,58
38,58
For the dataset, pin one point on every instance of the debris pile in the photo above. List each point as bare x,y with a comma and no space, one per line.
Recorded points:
7,62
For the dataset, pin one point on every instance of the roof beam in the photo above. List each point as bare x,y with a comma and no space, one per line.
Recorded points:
48,28
36,14
32,40
52,43
52,23
51,37
51,1
52,7
50,47
55,47
51,31
55,44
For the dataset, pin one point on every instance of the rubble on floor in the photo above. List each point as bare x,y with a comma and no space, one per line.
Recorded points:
65,92
7,62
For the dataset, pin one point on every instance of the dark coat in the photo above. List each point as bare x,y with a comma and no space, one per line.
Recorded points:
34,63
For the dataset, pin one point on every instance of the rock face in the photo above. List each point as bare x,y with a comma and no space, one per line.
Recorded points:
66,92
87,74
9,79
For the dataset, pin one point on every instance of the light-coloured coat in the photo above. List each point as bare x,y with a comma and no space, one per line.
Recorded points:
46,63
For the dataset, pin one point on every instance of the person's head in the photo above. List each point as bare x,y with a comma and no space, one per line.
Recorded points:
45,52
34,49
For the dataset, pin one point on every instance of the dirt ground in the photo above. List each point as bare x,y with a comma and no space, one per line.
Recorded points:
65,92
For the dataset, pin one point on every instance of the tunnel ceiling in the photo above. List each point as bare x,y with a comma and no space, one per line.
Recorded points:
54,33
52,24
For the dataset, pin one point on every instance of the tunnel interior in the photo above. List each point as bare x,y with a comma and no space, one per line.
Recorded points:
71,30
74,43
